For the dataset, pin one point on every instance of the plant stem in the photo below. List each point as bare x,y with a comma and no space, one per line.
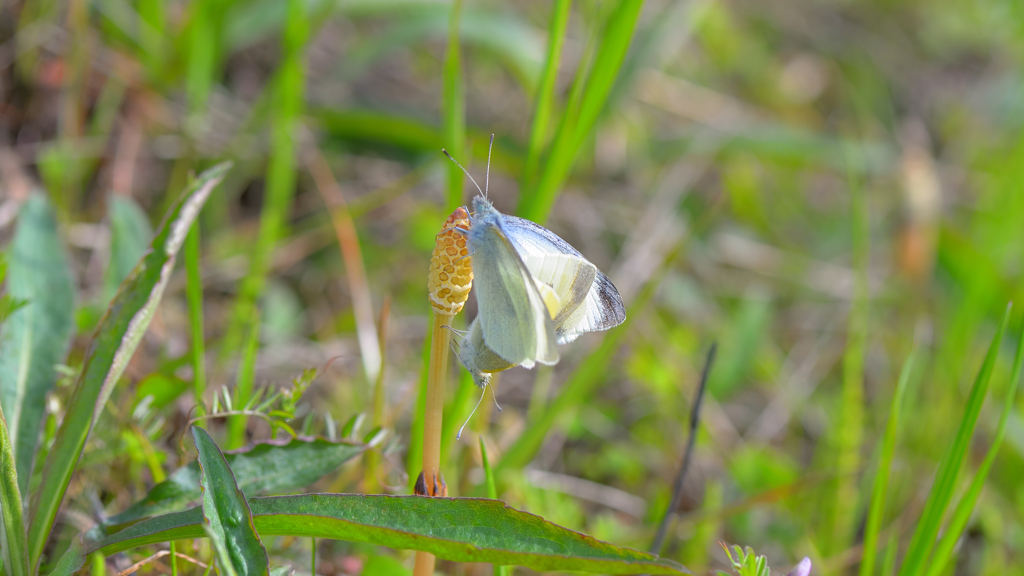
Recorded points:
437,372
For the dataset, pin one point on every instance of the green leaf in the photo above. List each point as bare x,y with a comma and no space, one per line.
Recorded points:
458,529
117,336
35,338
228,520
274,466
13,546
941,494
72,560
130,232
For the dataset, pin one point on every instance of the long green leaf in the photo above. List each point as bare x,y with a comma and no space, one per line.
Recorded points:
458,529
36,336
13,546
880,488
228,520
964,508
72,560
113,345
615,41
923,541
272,467
545,97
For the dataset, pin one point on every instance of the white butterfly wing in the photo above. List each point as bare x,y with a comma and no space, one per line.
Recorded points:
601,309
513,318
570,277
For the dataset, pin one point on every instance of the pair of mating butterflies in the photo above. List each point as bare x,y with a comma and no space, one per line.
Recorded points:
533,290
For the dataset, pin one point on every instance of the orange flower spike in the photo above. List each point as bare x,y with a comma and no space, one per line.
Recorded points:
451,268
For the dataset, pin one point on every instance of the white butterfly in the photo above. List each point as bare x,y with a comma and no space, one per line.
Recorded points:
533,290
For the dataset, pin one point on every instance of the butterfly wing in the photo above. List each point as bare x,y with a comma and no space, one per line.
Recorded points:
513,318
570,277
601,309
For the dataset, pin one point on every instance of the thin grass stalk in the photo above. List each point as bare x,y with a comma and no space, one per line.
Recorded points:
194,295
545,97
962,513
454,107
244,386
492,493
370,347
850,430
437,373
880,487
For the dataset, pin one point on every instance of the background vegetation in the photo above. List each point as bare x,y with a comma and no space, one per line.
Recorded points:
820,187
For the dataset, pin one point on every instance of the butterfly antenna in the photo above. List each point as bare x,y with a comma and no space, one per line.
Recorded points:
468,418
487,178
494,394
466,172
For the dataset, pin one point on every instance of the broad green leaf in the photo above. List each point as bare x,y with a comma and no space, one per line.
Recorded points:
458,529
35,337
108,354
274,466
228,521
13,546
130,232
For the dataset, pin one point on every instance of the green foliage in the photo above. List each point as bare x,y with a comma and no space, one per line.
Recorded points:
118,335
227,520
746,562
459,529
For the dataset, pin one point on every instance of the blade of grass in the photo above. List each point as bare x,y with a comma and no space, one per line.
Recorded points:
962,513
615,40
880,487
923,540
194,295
116,339
492,493
13,546
454,108
244,384
280,180
545,97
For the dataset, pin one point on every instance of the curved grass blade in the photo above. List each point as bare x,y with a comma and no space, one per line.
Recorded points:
274,466
880,487
13,546
923,541
458,529
228,521
36,336
545,96
108,354
964,508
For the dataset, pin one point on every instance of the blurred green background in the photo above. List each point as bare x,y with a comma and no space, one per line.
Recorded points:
817,185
